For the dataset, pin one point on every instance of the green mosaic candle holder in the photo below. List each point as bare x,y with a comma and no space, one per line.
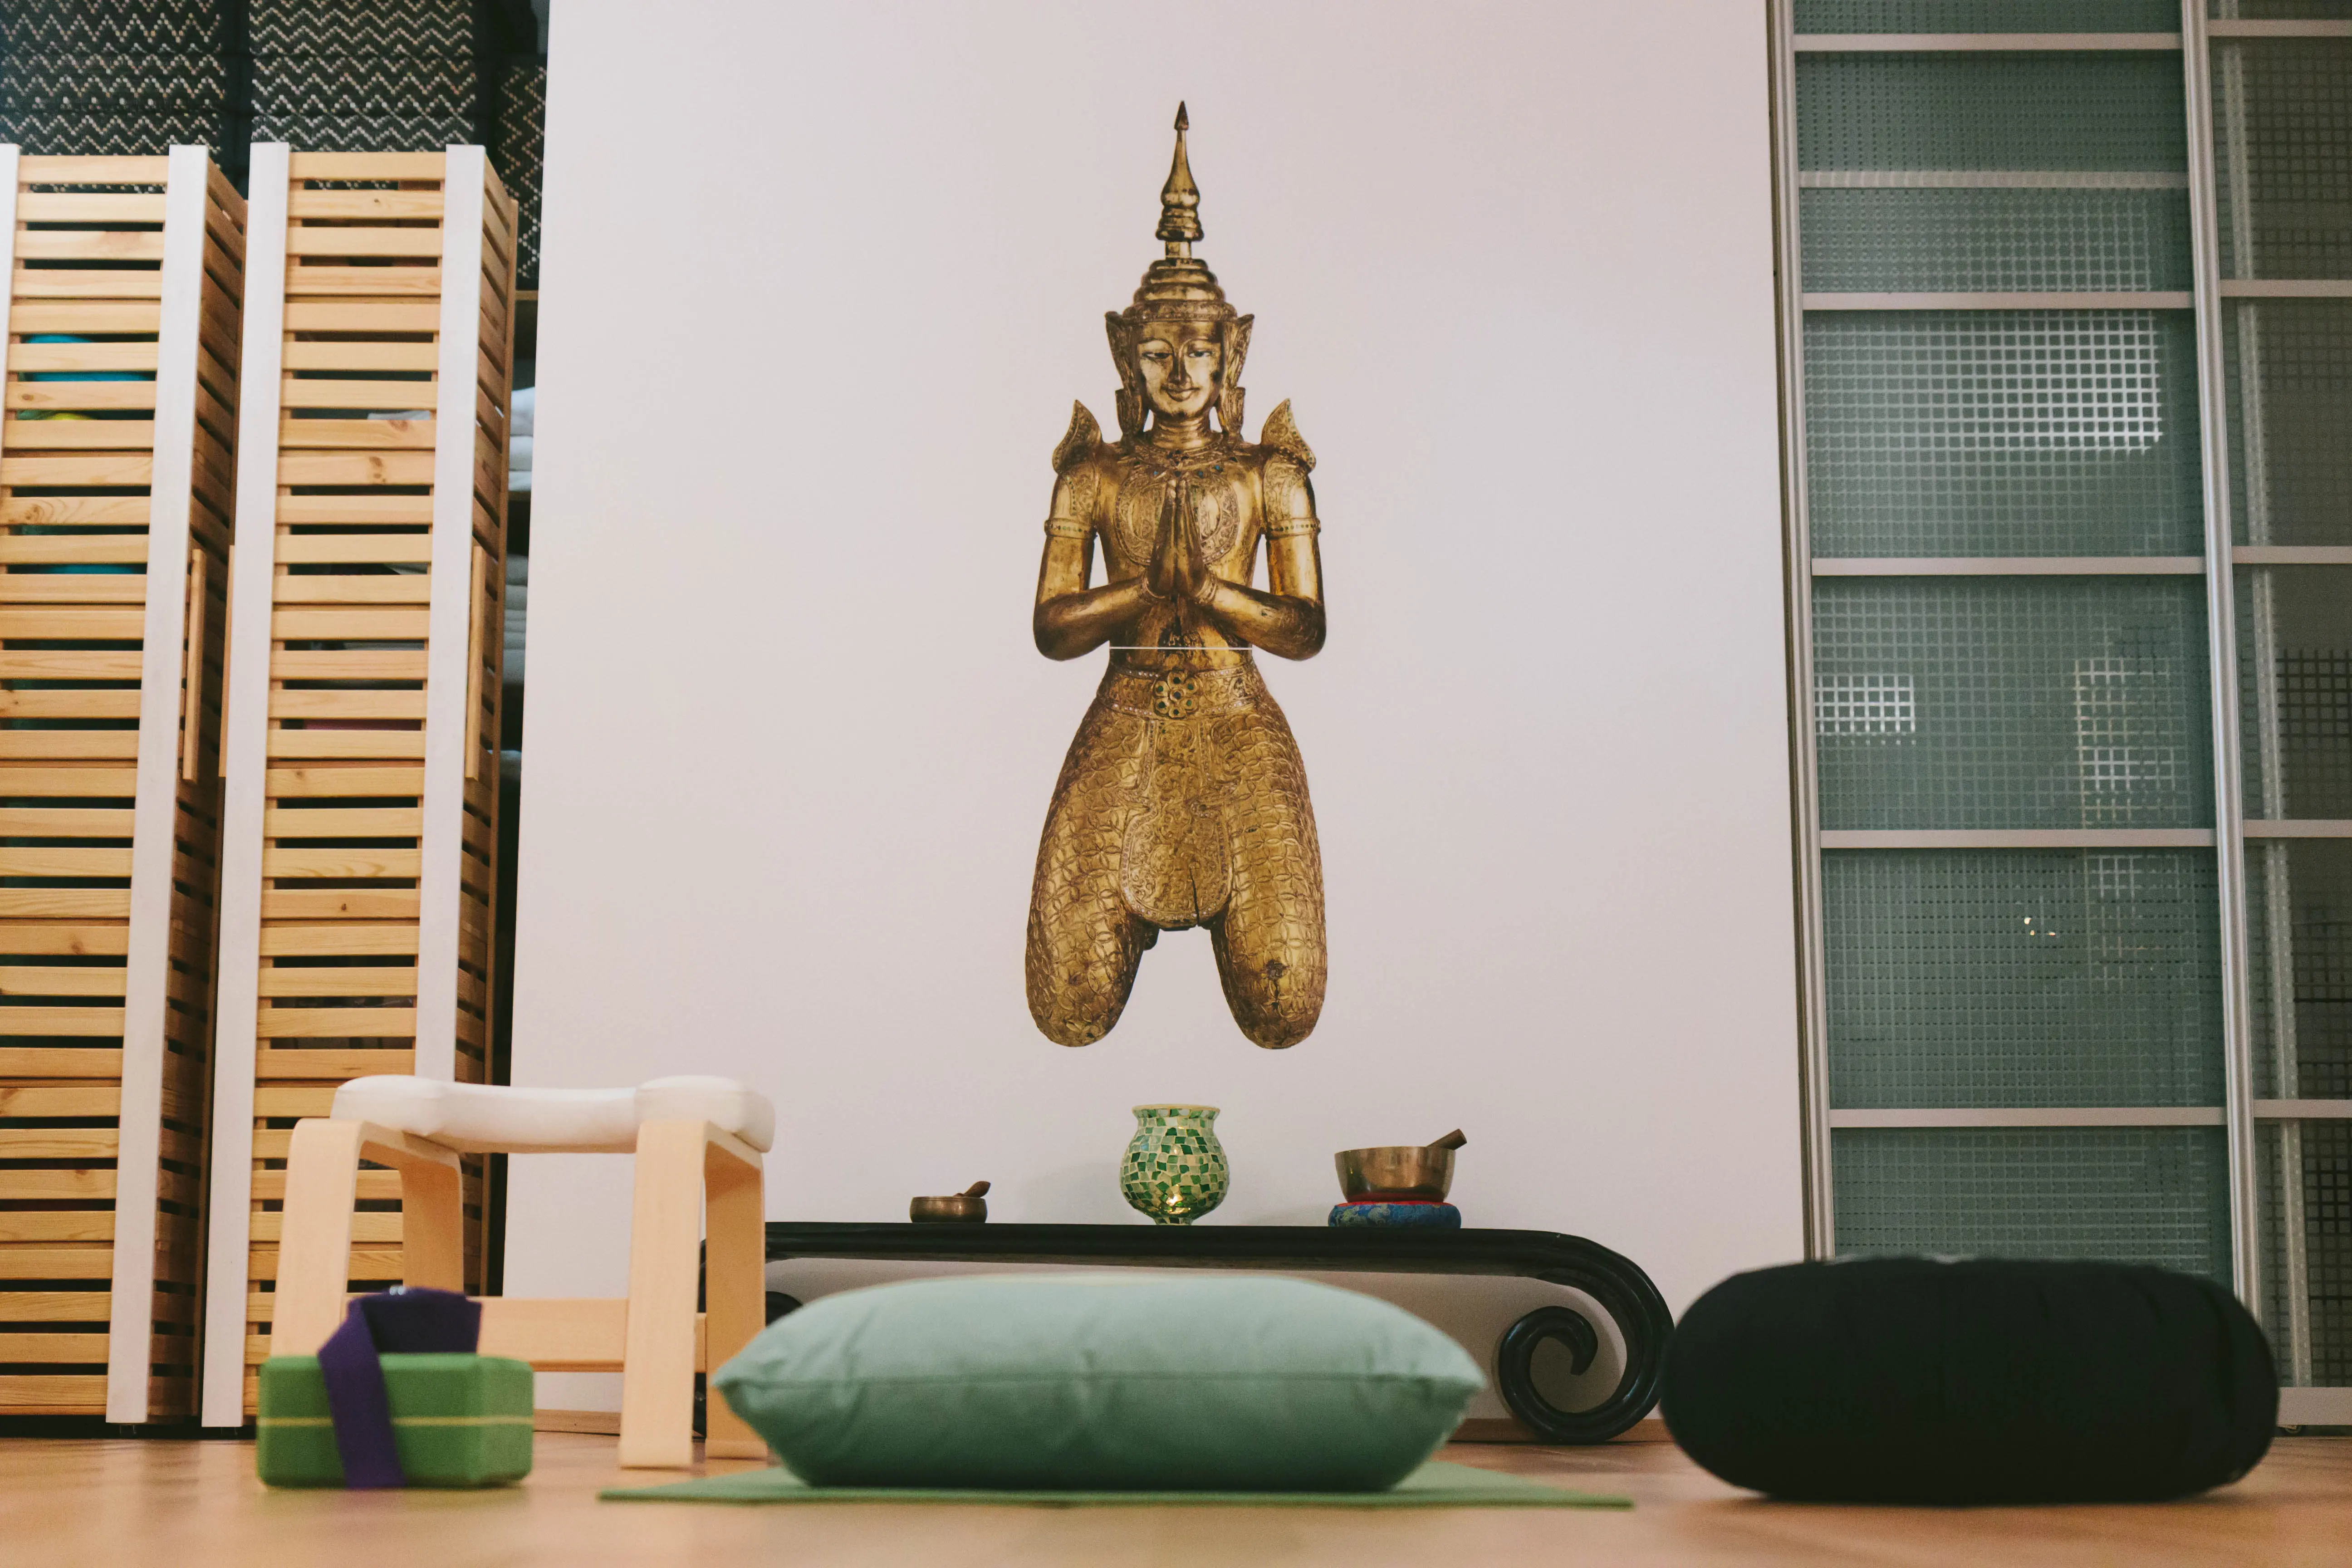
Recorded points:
1175,1168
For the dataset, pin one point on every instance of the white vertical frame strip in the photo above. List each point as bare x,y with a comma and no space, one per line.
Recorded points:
245,762
156,804
449,642
1814,1075
2221,632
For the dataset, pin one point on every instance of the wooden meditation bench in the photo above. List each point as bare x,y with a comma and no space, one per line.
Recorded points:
697,1140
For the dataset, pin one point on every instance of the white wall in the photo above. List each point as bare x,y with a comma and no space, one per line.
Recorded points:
820,284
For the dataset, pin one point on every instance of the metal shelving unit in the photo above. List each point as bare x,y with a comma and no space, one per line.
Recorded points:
2068,367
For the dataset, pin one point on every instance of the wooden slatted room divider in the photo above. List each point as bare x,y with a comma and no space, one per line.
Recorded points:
361,813
124,280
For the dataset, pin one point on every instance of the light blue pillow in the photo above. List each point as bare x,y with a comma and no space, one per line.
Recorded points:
1122,1382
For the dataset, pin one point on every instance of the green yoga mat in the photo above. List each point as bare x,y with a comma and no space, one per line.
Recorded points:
1435,1485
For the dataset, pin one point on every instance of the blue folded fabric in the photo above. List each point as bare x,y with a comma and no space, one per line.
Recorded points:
397,1321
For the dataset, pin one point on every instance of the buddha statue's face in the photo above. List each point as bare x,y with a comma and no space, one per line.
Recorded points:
1182,365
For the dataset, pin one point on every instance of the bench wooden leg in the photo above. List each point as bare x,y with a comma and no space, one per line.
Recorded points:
665,1241
735,1264
314,1248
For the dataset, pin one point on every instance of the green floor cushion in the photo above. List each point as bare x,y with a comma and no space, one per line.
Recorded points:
1122,1382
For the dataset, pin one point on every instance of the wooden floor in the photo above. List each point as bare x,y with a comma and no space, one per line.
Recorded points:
78,1504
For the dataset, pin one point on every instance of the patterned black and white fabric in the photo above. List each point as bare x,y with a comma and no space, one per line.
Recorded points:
137,75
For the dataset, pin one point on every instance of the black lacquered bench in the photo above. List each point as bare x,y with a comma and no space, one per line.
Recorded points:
1616,1284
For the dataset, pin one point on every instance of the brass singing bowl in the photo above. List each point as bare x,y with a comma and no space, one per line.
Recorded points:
957,1209
1395,1170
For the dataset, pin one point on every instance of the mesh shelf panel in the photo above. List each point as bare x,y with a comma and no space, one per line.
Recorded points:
2282,10
2130,1194
2282,157
2324,1175
1968,110
1986,16
2295,691
2288,371
2011,702
2022,978
2302,889
1929,240
2002,433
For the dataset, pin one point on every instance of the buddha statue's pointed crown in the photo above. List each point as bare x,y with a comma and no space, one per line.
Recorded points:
1179,287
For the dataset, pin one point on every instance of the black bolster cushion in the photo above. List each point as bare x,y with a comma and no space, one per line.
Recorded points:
1976,1381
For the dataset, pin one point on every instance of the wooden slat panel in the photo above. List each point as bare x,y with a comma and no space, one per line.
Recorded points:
353,940
361,623
57,1143
56,1225
349,664
34,1393
56,1348
367,1262
368,1228
93,470
63,1061
63,822
89,283
88,206
335,240
301,203
373,1184
363,705
68,745
49,394
385,743
49,938
22,861
340,864
75,588
58,1099
347,588
96,1022
30,980
314,393
328,904
24,358
322,279
320,980
352,435
70,664
282,1063
59,1186
332,1023
65,904
77,316
399,511
330,821
50,1262
71,550
333,355
89,245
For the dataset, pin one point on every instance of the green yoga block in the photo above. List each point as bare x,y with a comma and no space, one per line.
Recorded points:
457,1420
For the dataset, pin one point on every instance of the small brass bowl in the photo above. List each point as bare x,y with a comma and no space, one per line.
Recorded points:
1395,1170
956,1209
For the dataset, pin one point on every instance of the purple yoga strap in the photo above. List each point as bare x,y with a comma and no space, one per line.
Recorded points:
396,1322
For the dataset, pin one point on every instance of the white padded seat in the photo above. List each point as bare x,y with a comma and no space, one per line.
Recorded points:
478,1118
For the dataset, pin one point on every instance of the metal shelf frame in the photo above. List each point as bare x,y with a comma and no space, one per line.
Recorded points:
2228,835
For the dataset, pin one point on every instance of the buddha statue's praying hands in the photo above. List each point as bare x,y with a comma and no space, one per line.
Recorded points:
1182,802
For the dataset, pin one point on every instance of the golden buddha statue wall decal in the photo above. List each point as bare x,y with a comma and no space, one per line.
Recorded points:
1182,802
